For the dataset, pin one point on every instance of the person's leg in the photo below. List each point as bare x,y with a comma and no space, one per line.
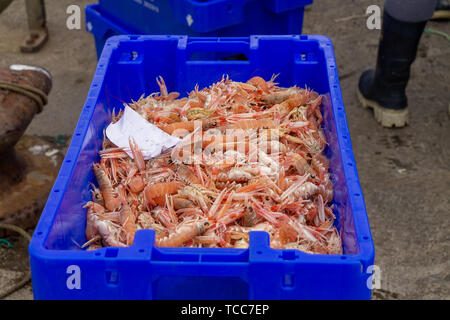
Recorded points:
383,89
442,11
37,25
4,4
411,10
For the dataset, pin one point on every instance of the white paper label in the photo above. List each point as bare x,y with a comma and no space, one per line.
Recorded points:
150,139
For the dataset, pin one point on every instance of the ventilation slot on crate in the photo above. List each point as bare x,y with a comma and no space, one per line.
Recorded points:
288,280
112,277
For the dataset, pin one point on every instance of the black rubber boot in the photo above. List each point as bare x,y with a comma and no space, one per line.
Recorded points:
383,89
442,10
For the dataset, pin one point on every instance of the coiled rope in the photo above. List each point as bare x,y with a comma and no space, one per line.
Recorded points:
27,277
37,95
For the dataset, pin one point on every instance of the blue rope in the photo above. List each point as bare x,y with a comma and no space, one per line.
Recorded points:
6,243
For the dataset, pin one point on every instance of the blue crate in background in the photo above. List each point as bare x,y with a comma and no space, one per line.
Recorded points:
226,17
127,68
213,18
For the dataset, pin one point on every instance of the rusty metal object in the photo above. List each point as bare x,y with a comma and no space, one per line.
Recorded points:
26,175
12,167
18,109
21,202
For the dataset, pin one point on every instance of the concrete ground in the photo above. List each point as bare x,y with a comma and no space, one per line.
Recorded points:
404,173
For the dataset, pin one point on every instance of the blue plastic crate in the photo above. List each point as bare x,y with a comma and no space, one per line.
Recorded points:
198,17
127,69
213,18
102,27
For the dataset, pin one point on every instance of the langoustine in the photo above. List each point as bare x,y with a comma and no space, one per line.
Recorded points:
260,166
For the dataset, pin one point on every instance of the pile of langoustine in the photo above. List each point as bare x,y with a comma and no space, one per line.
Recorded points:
216,199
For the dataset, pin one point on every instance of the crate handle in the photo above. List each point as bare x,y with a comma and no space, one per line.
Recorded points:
240,48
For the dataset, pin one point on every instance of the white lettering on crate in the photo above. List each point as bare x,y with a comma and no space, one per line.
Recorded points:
74,280
189,20
151,6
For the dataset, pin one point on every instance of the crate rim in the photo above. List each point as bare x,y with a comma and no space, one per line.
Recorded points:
366,251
